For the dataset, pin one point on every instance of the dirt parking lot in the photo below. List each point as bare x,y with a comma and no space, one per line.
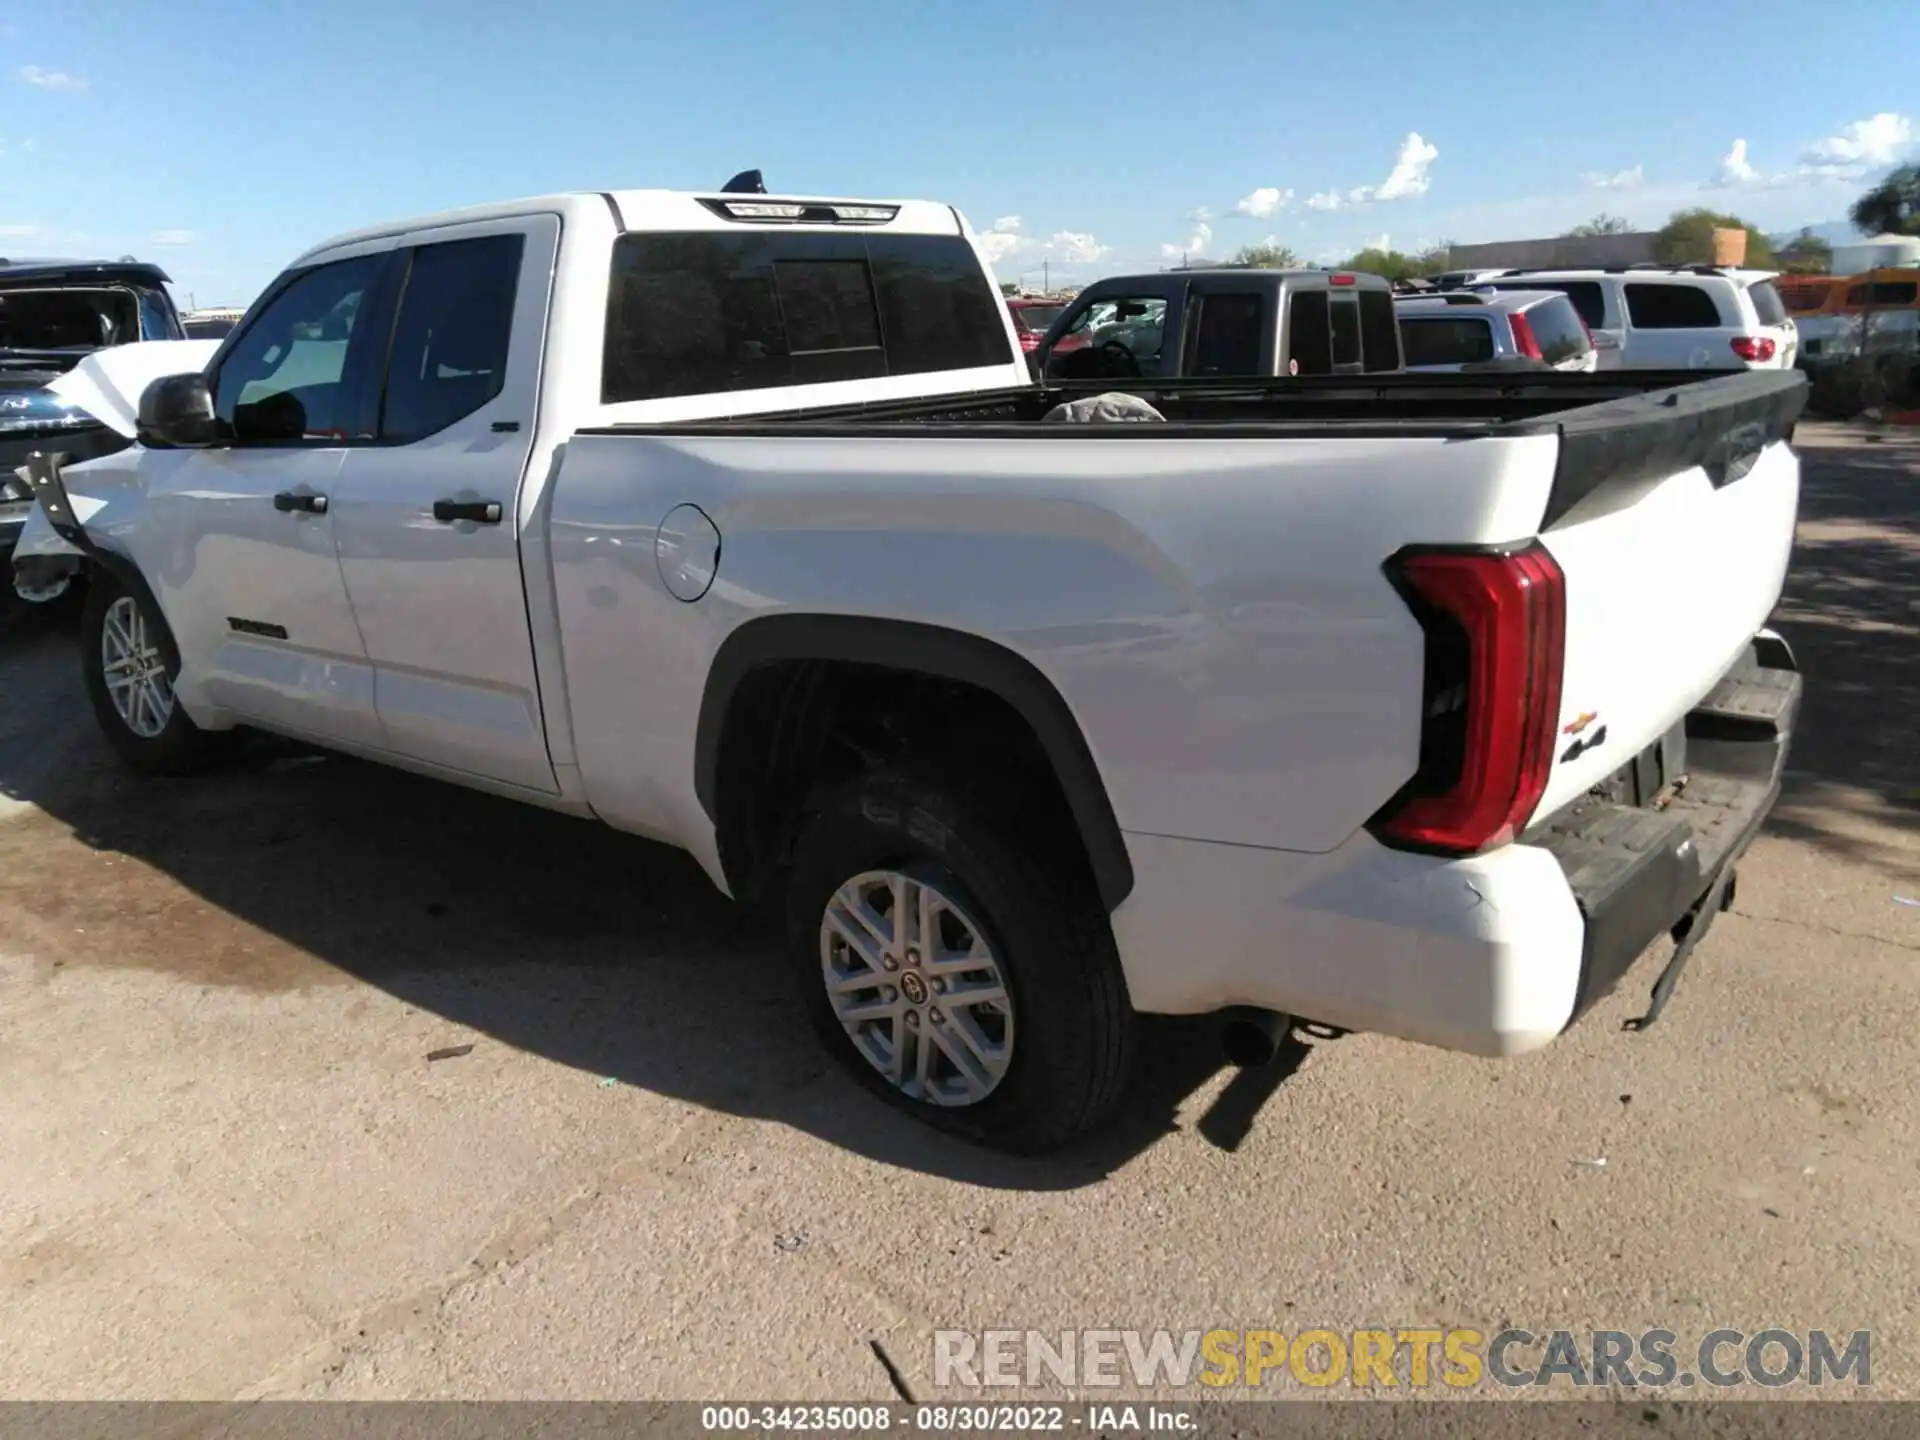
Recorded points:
233,1168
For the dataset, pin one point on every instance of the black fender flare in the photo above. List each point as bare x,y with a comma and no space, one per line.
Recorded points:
44,479
941,653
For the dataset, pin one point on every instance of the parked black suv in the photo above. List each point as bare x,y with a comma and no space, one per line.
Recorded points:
53,314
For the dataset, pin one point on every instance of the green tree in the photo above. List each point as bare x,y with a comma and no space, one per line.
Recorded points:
1601,225
1687,239
1395,265
1805,254
1892,206
1267,256
1010,288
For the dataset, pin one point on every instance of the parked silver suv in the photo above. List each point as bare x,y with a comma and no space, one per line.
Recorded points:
1461,329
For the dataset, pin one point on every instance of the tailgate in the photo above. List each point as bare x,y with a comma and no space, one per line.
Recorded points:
1672,516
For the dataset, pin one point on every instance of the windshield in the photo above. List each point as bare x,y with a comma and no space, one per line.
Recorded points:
68,319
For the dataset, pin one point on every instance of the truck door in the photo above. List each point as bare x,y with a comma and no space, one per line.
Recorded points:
427,517
245,563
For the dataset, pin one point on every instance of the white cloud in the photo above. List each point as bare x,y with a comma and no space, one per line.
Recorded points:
18,232
1360,195
1862,146
1409,174
1077,247
1006,243
1382,241
1326,200
1262,204
1630,179
1205,213
1196,244
171,237
1735,168
49,79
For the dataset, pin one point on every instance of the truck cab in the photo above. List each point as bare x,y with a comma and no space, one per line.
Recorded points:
1232,321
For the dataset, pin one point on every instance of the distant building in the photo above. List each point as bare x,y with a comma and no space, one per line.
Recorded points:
1561,252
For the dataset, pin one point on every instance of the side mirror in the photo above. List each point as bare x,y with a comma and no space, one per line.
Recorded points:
176,413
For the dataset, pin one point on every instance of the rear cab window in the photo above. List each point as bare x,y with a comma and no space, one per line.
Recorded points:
698,312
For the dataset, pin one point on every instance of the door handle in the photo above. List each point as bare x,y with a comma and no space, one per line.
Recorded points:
286,500
485,512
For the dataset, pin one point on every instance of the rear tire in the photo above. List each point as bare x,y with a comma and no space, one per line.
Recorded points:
1025,1076
129,662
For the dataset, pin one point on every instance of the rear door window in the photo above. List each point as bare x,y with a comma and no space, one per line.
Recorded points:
1671,306
1228,334
1556,325
1446,339
450,340
1767,305
703,313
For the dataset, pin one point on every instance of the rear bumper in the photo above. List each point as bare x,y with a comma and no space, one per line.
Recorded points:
1493,954
1637,872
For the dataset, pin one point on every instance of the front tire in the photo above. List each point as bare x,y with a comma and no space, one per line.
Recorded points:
129,662
965,978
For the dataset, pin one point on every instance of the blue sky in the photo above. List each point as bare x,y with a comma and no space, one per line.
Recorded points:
222,139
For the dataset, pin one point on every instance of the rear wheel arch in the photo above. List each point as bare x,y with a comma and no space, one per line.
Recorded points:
931,652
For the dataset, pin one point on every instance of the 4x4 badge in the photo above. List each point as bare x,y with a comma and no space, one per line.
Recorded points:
1580,723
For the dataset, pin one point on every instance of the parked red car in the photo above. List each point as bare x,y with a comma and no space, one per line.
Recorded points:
1031,319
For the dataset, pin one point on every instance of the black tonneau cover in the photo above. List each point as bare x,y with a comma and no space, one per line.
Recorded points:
1618,430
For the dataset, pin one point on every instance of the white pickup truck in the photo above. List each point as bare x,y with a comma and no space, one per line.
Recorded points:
1414,704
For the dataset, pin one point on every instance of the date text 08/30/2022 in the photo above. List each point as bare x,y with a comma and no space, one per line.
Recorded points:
952,1419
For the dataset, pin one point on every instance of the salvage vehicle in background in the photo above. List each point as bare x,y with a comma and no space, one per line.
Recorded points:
1232,321
1458,329
54,313
736,523
1687,317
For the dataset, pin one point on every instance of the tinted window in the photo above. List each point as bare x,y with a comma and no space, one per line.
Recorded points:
1556,325
1446,339
1227,337
1586,295
696,313
1671,307
1344,315
1882,292
208,329
1379,330
450,342
286,377
1767,305
1309,339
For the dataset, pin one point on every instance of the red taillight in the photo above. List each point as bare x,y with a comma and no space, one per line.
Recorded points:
1523,338
1754,347
1340,280
1496,644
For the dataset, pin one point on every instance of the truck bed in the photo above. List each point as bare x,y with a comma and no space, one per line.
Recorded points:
1617,431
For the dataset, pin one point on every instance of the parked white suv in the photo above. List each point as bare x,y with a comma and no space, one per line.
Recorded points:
1682,318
